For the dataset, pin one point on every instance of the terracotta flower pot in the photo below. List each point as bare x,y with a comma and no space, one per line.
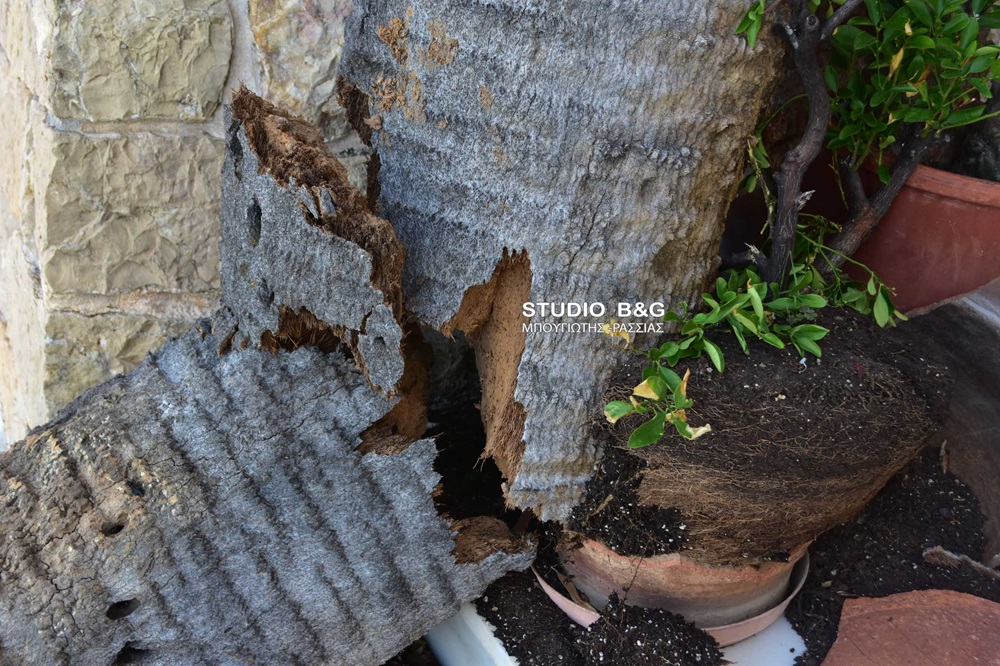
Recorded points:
939,240
708,595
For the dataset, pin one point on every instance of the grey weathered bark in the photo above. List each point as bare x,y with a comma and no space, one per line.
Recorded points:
226,504
557,152
211,509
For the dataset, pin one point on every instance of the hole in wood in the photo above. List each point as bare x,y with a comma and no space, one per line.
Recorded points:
265,293
129,654
135,488
120,609
234,144
254,217
112,529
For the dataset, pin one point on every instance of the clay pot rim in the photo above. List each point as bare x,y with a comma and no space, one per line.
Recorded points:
794,555
726,634
950,185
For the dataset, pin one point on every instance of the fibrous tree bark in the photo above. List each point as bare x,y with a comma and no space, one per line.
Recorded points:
551,152
254,492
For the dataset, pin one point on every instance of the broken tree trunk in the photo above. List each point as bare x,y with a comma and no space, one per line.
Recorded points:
239,498
548,152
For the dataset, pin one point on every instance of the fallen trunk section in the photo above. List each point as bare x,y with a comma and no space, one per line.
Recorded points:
257,491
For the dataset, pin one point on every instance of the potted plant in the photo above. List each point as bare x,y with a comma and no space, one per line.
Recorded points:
756,488
903,76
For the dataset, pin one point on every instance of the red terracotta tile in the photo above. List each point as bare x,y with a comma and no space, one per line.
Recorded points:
927,628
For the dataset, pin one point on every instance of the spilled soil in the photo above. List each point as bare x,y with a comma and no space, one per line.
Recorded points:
880,552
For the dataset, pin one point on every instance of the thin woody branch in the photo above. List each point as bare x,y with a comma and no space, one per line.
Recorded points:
805,42
804,39
865,217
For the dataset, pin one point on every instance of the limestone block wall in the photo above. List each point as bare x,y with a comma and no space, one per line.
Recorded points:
111,138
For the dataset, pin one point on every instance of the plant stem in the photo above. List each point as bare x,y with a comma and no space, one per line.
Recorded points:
804,42
867,213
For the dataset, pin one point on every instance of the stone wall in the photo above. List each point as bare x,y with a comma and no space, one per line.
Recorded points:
109,186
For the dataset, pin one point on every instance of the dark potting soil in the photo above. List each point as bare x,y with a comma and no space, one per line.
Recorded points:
611,512
880,552
537,633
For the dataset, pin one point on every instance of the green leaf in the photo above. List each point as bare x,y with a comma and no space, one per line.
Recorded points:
683,429
830,76
815,301
658,386
721,287
851,295
745,321
617,409
921,11
807,345
744,25
773,340
964,117
981,64
681,401
921,42
715,354
649,432
742,340
781,304
969,33
758,306
956,23
883,174
871,285
669,349
881,310
672,379
809,332
753,30
981,87
862,40
844,36
990,21
849,130
874,10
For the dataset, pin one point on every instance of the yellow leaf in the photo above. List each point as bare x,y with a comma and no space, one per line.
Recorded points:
700,430
908,29
635,403
683,388
896,59
609,329
643,390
